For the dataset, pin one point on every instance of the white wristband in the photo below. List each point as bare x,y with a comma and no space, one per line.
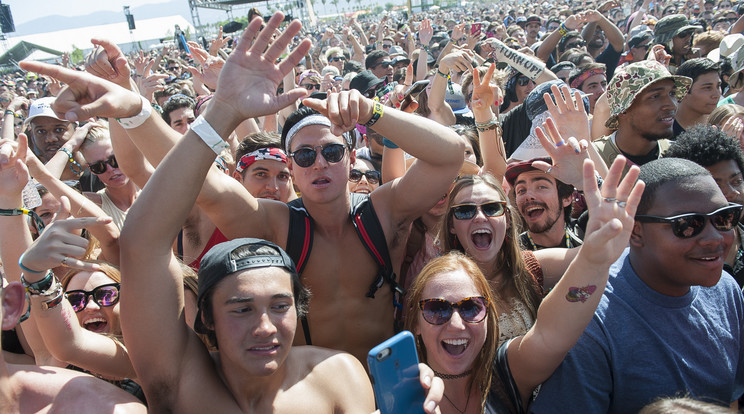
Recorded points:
207,134
140,118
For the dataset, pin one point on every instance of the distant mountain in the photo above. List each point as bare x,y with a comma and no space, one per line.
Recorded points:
149,11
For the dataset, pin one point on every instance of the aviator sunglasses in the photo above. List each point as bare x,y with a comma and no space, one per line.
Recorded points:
373,177
691,224
305,157
469,210
100,166
104,296
439,311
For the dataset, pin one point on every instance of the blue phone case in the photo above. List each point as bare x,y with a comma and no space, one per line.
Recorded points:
393,366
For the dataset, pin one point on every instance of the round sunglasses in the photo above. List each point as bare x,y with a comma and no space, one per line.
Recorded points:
467,211
439,311
305,157
373,177
104,296
689,225
100,166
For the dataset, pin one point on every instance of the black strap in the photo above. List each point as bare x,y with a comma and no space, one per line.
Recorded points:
179,245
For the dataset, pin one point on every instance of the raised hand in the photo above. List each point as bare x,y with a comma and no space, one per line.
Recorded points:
13,172
87,96
611,211
249,79
210,66
150,82
569,114
344,109
108,62
485,94
60,242
218,43
140,64
426,32
568,155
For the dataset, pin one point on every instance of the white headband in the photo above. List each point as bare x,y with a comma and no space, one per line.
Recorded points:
314,119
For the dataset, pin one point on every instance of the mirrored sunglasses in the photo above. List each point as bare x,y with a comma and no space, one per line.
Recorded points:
468,210
373,177
439,311
690,225
104,296
305,157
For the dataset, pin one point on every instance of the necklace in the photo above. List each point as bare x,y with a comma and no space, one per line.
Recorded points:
450,376
567,239
453,404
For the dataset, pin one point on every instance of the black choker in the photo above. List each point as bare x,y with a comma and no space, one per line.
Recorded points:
448,376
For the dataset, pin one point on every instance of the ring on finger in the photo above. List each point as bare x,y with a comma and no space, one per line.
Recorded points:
560,143
609,199
64,261
622,204
549,170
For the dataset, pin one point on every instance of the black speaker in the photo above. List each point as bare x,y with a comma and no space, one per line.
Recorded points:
130,21
6,19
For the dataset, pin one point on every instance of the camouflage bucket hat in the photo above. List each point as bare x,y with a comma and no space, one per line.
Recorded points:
736,80
633,79
669,26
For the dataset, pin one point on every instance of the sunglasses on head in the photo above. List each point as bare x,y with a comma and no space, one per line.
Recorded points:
337,59
305,157
468,210
104,296
373,177
311,86
100,166
690,225
439,311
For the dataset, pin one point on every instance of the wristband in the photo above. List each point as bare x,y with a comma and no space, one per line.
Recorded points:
487,126
140,118
389,144
9,112
26,269
41,286
21,211
442,74
75,166
207,134
563,30
376,114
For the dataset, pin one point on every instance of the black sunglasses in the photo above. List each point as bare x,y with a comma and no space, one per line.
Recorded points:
373,177
337,59
690,225
439,311
523,81
104,295
468,211
576,45
311,86
384,63
100,166
384,46
305,157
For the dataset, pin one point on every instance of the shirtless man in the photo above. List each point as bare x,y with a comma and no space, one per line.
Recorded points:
339,271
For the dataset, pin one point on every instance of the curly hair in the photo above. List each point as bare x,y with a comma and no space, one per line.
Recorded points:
706,146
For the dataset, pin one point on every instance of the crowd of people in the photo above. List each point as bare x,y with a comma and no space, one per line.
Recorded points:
548,196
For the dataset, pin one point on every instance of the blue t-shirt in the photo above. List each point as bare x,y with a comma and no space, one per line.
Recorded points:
642,345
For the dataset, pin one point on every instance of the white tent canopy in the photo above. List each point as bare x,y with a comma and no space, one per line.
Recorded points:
147,33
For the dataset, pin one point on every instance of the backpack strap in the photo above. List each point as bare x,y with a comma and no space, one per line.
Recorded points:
299,245
370,232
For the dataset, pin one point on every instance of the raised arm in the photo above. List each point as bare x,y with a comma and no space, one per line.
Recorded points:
458,60
549,44
529,66
566,311
614,35
485,97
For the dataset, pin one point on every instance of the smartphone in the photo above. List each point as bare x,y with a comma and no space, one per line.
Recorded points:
475,28
412,92
393,367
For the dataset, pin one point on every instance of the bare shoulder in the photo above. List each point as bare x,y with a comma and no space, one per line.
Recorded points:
61,390
94,197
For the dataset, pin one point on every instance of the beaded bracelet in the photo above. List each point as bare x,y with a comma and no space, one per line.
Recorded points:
492,124
563,30
75,166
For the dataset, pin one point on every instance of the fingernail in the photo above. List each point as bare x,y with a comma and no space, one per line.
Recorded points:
431,406
427,380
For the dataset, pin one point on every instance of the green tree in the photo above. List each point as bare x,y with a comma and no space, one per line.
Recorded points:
377,9
76,56
335,3
389,6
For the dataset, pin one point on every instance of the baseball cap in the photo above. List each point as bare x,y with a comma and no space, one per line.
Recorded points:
669,26
456,99
42,107
514,169
365,81
218,263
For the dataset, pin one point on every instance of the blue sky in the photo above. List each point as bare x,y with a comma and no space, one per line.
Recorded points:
27,10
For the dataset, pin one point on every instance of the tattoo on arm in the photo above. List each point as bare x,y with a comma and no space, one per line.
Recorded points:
576,294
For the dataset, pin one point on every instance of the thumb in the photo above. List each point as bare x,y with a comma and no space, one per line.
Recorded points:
63,212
